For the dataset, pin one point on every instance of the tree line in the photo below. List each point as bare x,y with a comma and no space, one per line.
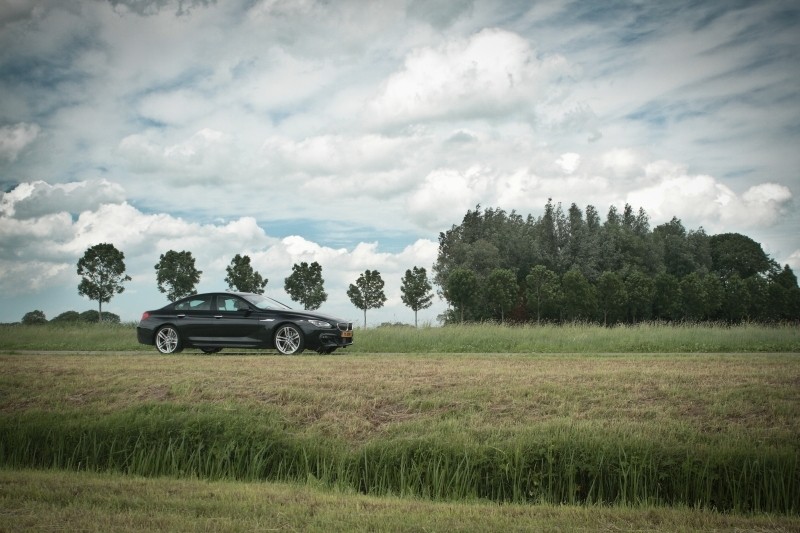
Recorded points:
573,266
558,267
102,272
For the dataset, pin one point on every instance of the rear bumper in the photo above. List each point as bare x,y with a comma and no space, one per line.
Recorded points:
144,335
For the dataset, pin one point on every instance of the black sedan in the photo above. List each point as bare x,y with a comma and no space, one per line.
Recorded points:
217,320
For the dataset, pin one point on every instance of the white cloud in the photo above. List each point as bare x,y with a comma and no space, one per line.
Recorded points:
569,162
445,196
489,74
794,261
29,200
205,156
674,192
14,139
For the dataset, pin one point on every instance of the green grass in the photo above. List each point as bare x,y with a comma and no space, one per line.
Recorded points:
705,431
472,338
58,500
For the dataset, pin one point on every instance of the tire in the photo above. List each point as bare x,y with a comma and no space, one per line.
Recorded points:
168,340
289,340
211,350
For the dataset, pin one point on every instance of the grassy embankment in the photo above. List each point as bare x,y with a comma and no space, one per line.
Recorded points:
676,435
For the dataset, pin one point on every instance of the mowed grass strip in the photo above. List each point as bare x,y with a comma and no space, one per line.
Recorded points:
64,501
717,431
358,398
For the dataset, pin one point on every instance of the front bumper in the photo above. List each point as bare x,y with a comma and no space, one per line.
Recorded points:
334,340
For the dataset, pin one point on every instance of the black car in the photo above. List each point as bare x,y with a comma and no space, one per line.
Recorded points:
217,320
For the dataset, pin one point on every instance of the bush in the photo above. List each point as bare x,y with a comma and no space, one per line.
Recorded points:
33,318
67,317
94,316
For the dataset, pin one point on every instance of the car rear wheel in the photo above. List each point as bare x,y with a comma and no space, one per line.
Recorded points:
168,341
289,340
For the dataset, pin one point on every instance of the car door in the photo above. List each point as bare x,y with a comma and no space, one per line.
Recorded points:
195,318
236,320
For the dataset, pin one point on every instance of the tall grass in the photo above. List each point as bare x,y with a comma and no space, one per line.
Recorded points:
563,465
469,338
580,338
84,336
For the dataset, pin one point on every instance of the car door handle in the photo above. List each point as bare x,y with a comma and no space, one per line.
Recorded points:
181,316
217,316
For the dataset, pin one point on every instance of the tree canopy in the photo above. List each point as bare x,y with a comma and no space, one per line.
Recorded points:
306,286
242,277
574,265
176,274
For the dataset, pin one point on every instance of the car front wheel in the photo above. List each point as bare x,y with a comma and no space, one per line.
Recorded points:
289,340
168,341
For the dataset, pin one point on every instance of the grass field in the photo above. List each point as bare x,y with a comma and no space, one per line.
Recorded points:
665,440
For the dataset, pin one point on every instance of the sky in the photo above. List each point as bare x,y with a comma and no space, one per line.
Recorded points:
352,133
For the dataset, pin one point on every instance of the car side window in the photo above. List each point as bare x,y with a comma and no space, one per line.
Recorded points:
231,304
195,304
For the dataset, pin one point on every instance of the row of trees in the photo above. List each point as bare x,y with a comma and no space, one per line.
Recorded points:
571,266
561,266
102,271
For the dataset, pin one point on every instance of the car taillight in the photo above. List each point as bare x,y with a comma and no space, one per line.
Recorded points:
145,315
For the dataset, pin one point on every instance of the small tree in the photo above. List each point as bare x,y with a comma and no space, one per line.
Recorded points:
543,287
462,286
415,291
34,318
502,290
666,297
611,295
693,296
102,271
639,288
367,293
305,285
242,277
176,274
579,296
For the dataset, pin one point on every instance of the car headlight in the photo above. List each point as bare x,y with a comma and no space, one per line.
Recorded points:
320,323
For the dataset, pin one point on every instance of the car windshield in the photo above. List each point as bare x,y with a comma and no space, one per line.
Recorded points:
265,302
